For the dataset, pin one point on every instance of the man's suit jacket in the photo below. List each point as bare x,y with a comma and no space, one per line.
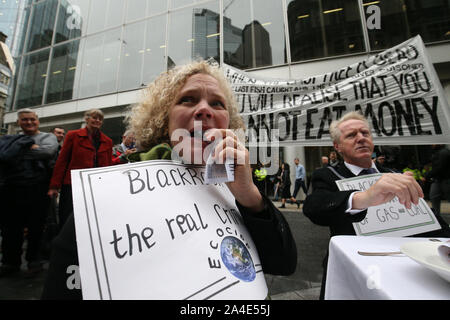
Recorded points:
326,205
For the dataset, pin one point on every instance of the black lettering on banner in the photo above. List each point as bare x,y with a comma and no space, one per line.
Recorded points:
433,114
382,117
295,115
418,116
326,118
368,112
407,115
309,123
287,124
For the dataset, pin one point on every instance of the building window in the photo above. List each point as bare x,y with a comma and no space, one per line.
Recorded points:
253,33
100,64
194,32
63,68
104,14
322,28
32,79
72,20
139,9
42,24
404,19
154,56
132,56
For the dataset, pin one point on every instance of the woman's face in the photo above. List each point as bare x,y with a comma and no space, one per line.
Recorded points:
202,100
94,122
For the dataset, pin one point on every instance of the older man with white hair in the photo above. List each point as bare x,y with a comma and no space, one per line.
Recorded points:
327,206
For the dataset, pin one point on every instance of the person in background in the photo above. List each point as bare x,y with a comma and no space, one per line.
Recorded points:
59,133
380,160
300,176
325,162
285,184
83,148
26,159
334,161
122,150
439,175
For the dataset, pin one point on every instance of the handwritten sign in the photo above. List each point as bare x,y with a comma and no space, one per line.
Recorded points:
397,90
156,230
391,219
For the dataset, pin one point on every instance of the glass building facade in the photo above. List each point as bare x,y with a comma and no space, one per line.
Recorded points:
76,49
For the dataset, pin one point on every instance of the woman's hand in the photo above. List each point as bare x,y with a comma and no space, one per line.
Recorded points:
228,149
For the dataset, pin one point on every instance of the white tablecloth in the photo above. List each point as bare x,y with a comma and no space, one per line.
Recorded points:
352,276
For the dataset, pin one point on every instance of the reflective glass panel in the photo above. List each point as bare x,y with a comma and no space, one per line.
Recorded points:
32,79
156,6
392,22
18,40
42,24
138,9
13,85
63,67
105,14
324,28
154,57
253,33
132,56
194,32
100,63
72,19
182,3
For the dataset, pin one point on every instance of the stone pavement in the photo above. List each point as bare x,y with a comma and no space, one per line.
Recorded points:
304,284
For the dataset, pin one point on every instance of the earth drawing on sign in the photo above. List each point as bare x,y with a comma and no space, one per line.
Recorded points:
237,259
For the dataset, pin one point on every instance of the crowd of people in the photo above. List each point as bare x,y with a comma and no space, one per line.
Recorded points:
35,169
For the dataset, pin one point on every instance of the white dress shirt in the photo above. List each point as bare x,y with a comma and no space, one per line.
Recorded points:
356,171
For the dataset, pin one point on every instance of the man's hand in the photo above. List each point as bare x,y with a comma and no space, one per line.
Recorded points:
34,146
389,186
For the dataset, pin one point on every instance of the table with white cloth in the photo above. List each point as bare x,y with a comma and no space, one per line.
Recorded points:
397,277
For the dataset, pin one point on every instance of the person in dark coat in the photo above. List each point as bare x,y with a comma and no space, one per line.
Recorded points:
177,98
285,184
327,206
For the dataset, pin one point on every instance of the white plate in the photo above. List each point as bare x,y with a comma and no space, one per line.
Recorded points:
426,254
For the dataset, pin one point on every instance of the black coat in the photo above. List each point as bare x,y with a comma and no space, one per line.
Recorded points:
326,205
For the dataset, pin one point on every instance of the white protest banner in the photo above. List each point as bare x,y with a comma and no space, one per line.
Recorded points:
155,230
391,219
397,90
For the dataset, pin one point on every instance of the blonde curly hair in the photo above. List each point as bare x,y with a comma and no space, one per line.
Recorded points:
149,120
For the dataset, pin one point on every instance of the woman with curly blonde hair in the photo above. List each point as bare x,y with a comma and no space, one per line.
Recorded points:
188,108
150,118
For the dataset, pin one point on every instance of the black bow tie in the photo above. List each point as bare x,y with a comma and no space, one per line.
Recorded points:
367,171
